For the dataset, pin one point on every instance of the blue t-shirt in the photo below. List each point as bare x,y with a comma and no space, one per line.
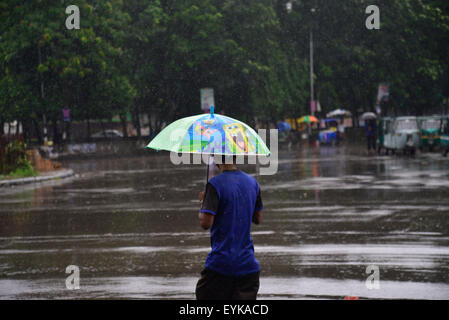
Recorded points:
232,197
370,128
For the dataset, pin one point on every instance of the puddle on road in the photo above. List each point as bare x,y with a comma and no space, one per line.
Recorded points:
183,288
130,225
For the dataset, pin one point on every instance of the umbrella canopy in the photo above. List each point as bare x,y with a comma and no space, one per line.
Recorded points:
308,119
210,134
369,116
338,112
283,126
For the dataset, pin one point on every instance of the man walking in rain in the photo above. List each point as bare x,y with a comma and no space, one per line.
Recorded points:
229,205
370,132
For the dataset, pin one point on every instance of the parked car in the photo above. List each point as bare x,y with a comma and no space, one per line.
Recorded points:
399,134
110,133
430,131
444,137
328,135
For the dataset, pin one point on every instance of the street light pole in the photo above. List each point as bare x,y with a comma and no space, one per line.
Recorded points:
311,74
312,93
44,118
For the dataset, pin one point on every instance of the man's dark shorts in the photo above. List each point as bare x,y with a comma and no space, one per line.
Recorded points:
215,286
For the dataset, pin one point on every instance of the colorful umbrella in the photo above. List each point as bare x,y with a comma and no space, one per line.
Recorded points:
307,119
210,134
283,126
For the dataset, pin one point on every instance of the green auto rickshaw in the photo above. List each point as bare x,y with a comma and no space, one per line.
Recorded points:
444,135
399,134
430,132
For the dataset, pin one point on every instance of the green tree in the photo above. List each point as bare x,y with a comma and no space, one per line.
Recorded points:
52,67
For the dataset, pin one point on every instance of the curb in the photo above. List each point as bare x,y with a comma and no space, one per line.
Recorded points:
60,174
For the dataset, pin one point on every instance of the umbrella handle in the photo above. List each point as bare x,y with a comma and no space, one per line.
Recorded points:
207,170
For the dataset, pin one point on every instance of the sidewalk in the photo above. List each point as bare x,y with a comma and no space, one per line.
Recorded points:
45,176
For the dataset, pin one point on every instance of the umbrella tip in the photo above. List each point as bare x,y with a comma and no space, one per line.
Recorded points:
212,109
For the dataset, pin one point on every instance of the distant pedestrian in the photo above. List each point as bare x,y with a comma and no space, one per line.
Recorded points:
340,130
229,205
292,138
370,132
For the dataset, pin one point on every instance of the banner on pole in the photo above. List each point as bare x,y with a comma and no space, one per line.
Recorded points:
383,92
312,106
66,114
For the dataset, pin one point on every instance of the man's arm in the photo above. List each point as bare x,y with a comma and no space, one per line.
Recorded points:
257,215
206,220
209,205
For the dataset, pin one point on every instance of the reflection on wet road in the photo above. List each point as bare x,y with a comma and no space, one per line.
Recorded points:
130,225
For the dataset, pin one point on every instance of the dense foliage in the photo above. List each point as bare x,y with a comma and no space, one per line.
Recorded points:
14,160
153,56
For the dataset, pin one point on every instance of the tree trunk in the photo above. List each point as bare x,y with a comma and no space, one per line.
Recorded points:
42,96
137,123
68,131
150,126
55,131
38,131
124,124
159,122
88,129
25,131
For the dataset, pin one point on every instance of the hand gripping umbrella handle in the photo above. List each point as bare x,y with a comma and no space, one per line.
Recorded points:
207,170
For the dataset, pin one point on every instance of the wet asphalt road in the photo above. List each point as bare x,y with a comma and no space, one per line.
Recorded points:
130,224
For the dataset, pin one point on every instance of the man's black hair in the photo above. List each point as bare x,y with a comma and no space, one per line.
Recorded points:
222,159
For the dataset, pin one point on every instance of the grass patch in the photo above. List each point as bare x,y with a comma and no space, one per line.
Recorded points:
21,173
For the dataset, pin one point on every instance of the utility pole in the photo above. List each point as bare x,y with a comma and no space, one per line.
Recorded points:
44,118
312,93
311,73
